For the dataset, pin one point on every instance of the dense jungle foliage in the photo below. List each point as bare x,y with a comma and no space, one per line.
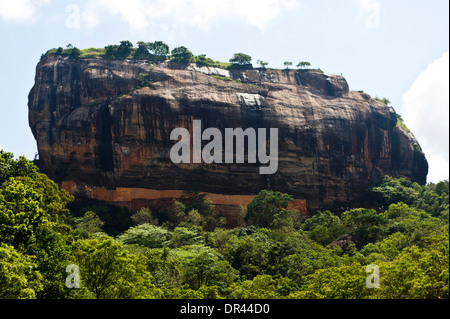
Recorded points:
186,252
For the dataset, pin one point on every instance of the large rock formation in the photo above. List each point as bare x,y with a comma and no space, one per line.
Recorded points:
104,137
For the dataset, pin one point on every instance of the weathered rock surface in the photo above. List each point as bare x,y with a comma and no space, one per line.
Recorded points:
94,129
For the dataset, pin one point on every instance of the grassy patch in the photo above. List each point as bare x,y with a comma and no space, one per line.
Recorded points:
225,78
202,60
92,53
310,70
85,53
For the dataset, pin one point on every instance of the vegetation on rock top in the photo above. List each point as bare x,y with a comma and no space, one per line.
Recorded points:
158,51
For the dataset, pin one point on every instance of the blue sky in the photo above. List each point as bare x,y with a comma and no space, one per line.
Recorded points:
389,48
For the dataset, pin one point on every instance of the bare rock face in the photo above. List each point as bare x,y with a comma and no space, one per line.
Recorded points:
97,125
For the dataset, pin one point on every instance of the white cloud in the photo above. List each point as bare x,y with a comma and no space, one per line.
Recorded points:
426,113
176,15
20,11
370,9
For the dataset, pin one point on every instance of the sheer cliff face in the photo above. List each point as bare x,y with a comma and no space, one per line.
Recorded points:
95,129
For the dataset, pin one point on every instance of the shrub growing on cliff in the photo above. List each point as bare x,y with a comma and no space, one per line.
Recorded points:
143,80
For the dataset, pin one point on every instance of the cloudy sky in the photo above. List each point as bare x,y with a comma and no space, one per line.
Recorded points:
389,48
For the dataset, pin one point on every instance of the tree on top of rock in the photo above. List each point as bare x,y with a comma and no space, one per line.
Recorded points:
181,54
159,48
241,59
124,49
303,65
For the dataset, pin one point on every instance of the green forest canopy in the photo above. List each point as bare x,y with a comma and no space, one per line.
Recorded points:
191,255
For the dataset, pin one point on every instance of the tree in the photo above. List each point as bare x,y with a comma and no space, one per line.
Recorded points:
344,282
393,190
144,216
418,273
124,49
181,54
182,236
110,272
413,223
18,275
206,267
241,59
156,51
262,64
111,51
32,209
21,216
87,225
287,64
303,65
262,209
324,227
260,287
116,219
196,209
145,235
434,199
366,224
75,53
193,199
387,249
386,101
221,239
304,259
10,167
54,199
142,51
159,48
249,255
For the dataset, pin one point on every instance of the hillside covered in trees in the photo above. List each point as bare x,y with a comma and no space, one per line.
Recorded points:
123,254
